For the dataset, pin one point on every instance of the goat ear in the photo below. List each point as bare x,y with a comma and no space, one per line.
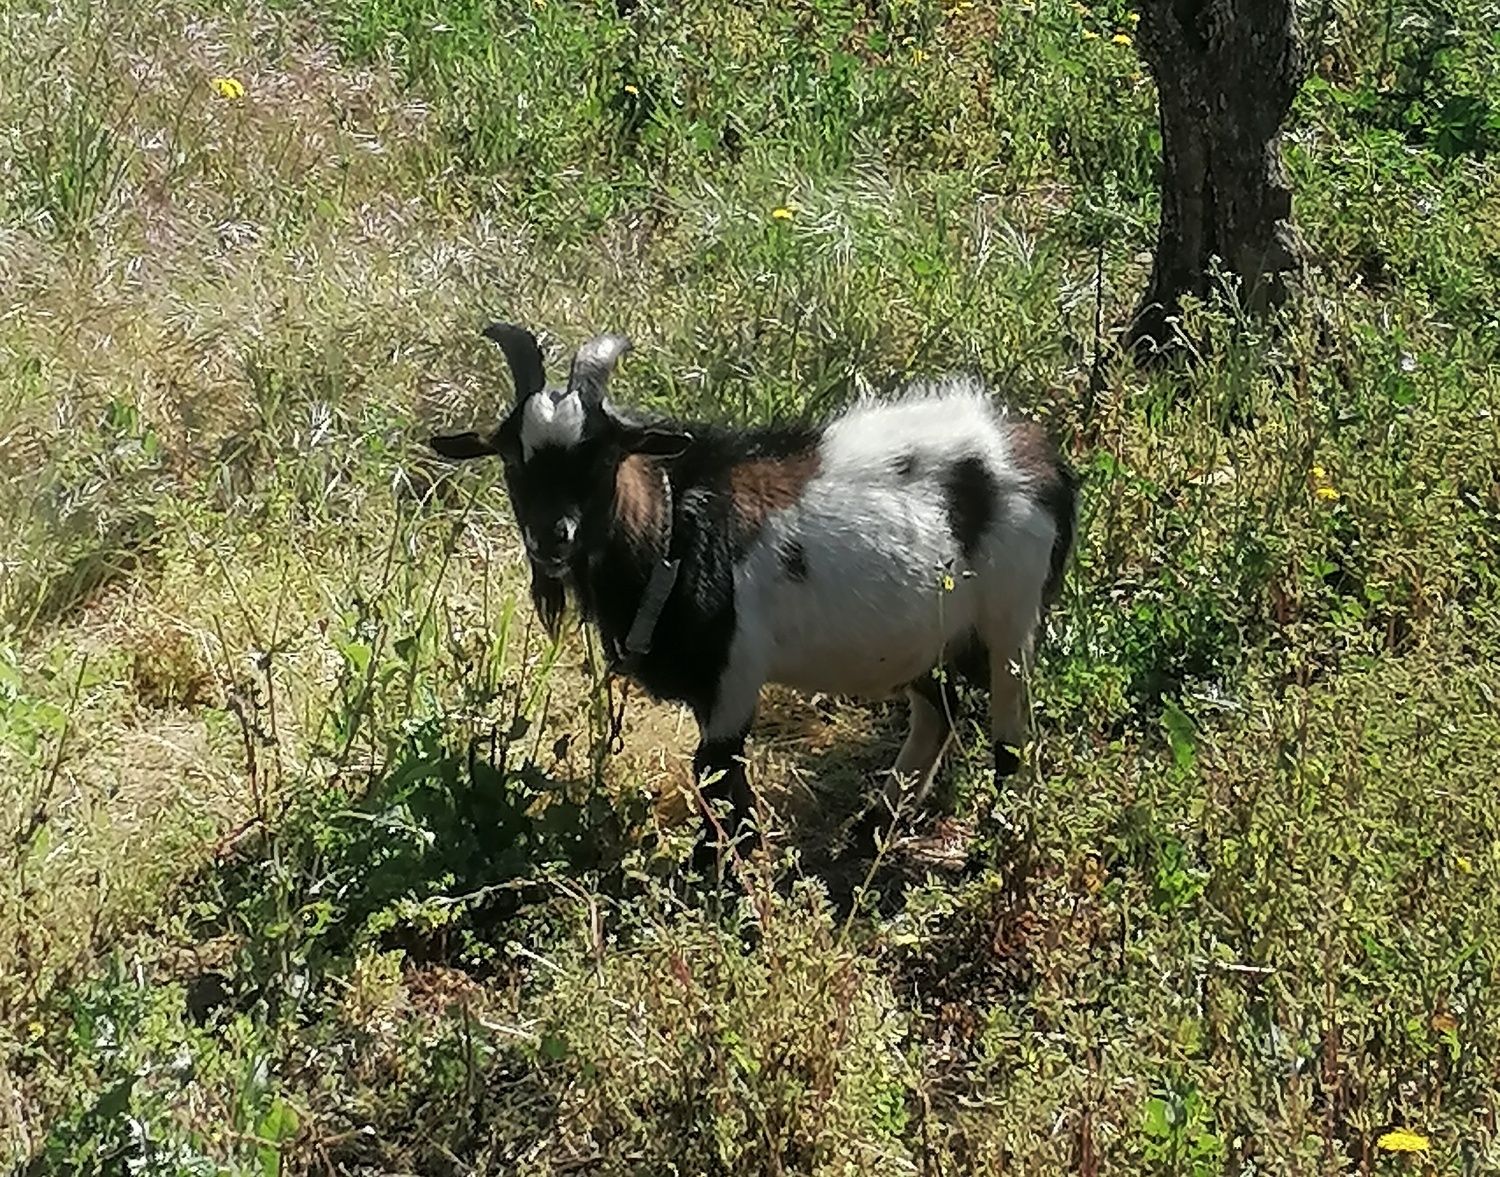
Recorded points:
644,437
655,442
523,354
462,446
593,366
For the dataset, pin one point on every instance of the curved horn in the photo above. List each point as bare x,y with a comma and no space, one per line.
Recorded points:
593,365
523,354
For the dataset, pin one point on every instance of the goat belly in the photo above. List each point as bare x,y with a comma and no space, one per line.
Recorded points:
856,591
866,639
856,678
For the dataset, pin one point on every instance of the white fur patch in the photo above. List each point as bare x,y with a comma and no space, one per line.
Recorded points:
886,588
546,421
936,422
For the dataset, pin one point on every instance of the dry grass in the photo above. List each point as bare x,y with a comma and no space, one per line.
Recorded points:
264,899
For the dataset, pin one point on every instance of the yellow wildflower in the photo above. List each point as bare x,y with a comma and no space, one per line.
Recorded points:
1322,487
230,88
1464,864
1090,35
1133,17
1403,1140
781,213
947,582
1121,38
629,89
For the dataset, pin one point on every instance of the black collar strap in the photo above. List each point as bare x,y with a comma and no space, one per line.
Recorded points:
658,589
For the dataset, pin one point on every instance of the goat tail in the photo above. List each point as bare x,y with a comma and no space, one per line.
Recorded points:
1062,505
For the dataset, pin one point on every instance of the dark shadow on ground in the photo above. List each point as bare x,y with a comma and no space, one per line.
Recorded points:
433,856
841,754
447,852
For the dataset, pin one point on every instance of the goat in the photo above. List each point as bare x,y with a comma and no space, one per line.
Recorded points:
852,558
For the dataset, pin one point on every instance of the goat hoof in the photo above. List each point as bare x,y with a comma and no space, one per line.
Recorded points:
1007,761
712,860
705,859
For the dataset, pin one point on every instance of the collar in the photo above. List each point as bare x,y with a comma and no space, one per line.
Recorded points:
658,589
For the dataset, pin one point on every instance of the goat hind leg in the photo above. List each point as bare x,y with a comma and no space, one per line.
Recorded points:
933,706
1009,709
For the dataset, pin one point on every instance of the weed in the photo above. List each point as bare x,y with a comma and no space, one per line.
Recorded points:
316,855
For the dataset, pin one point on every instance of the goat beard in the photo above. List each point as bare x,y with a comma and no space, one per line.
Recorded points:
549,599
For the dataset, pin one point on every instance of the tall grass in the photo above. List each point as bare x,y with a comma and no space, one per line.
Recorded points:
316,856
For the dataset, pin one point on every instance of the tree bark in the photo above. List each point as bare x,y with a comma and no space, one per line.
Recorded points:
1226,73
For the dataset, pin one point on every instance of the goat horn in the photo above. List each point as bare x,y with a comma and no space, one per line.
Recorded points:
522,353
593,365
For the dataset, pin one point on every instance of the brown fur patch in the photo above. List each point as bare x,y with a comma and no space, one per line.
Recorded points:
1031,450
638,498
763,485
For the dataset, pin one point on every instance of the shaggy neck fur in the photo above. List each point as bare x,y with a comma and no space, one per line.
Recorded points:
612,584
640,506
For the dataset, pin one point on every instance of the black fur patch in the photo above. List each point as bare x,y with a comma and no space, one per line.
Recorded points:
726,757
971,498
968,661
905,466
690,647
793,561
1059,498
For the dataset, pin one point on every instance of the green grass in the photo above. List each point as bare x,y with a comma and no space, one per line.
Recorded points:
315,857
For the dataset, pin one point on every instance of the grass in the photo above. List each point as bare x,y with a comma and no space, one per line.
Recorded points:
318,858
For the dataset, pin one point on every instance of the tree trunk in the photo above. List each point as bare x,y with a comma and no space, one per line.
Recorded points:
1226,72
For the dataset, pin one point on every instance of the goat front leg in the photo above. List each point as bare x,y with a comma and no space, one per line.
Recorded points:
1009,712
719,770
719,773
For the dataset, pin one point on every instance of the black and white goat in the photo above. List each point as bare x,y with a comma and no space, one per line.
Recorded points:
854,558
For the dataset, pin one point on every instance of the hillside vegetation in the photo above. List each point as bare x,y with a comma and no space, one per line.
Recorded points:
315,857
